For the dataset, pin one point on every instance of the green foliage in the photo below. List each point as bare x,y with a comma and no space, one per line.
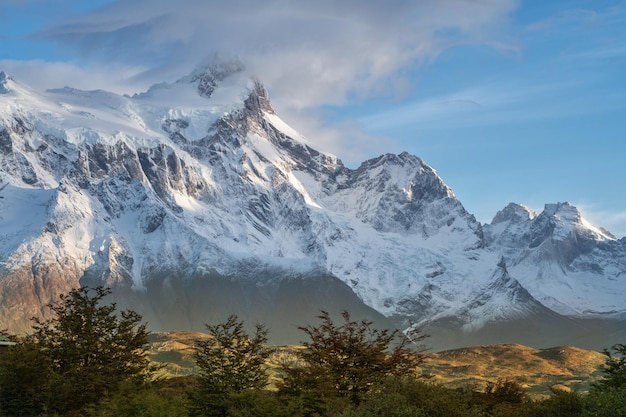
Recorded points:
78,357
505,391
258,403
502,398
411,397
560,404
90,361
608,402
392,405
348,360
614,368
305,400
149,400
230,363
25,380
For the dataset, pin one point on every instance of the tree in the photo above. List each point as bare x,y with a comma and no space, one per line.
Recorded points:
230,362
25,380
84,353
614,368
348,360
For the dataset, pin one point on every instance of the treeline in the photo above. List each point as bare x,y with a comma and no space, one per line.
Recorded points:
90,360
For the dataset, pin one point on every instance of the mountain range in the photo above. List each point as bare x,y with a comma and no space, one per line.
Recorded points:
194,200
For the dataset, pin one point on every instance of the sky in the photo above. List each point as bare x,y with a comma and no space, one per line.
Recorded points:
510,101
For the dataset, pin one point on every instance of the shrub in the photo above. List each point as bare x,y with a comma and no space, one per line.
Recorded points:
608,402
411,397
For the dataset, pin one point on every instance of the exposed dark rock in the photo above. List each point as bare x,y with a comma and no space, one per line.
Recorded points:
6,144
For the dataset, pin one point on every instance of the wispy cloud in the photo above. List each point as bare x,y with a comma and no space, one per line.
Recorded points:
568,68
308,53
346,139
495,103
42,75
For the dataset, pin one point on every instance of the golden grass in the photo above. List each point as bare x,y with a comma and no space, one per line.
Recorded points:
537,370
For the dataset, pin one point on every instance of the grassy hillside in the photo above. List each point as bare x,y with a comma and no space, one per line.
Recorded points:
537,370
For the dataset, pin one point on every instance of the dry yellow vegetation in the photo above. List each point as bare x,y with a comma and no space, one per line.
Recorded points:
537,370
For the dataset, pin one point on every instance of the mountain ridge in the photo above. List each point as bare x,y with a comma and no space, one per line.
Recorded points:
197,188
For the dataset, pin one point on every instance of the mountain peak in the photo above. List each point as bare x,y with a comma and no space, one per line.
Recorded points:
4,82
562,217
195,193
259,99
207,77
513,212
562,209
569,217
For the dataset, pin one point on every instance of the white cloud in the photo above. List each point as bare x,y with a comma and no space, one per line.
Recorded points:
307,53
347,140
501,101
41,75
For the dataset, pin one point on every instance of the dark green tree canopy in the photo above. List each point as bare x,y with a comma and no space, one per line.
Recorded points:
231,363
233,360
87,339
80,355
26,380
350,358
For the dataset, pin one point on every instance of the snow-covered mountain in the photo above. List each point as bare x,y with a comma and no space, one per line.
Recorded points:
569,265
194,200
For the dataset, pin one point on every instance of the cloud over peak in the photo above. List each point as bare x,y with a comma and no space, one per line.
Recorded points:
307,53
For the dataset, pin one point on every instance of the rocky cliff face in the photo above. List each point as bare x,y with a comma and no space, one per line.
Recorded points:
195,200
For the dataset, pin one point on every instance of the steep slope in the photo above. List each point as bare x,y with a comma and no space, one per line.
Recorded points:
194,200
122,198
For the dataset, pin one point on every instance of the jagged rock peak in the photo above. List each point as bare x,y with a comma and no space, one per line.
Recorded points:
559,219
259,99
388,166
514,212
567,213
207,77
561,213
565,210
389,160
4,82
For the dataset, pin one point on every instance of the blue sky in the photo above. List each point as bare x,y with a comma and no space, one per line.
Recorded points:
521,101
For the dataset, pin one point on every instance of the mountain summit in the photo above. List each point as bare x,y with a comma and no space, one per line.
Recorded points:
195,200
4,82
